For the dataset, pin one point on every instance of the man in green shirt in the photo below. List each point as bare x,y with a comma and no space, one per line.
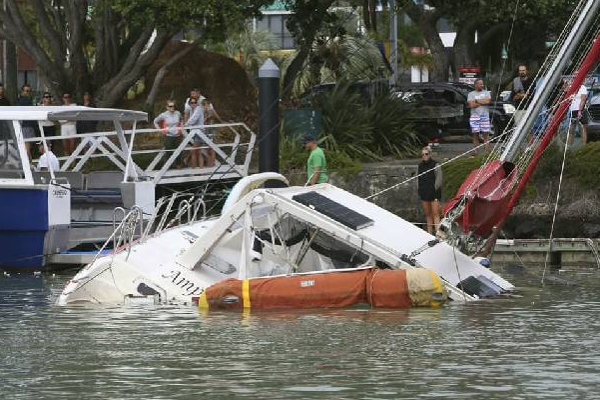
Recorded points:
316,166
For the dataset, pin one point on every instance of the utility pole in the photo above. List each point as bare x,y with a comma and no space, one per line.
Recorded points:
393,43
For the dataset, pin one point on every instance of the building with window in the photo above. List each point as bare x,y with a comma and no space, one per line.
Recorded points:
273,20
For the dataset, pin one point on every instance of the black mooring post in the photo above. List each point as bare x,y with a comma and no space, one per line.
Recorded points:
268,122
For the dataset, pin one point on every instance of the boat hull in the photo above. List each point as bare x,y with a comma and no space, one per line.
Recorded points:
31,226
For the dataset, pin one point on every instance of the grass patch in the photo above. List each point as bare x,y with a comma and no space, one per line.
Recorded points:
456,172
583,165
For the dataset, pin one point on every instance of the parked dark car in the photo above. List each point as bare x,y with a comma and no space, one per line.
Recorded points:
593,109
440,109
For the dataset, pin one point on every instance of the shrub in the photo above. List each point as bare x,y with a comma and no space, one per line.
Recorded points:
392,134
583,166
347,122
364,128
293,157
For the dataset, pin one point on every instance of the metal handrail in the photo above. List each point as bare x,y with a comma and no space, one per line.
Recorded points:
136,213
104,144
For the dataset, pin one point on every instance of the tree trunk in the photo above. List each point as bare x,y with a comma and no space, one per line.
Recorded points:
10,71
463,54
427,21
292,71
366,15
373,14
439,53
149,103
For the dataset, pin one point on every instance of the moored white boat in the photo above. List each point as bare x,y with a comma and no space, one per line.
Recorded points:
46,214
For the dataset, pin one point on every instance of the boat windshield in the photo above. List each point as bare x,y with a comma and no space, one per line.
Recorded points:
11,166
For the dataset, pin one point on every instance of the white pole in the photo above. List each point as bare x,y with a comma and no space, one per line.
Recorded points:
551,79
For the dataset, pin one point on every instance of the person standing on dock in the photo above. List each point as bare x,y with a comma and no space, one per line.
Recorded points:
87,126
478,101
28,127
520,86
48,126
578,115
429,188
3,100
68,128
521,93
169,123
316,166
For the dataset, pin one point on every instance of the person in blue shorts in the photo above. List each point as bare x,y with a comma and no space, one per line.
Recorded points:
478,101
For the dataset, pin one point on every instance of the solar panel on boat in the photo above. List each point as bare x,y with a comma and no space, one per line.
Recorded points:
334,210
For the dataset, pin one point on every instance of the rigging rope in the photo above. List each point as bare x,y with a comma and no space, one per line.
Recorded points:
562,170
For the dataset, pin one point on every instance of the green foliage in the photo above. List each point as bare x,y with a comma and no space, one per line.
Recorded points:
550,163
211,18
456,172
584,167
352,58
247,47
581,165
311,16
364,129
343,58
293,157
392,134
411,35
347,122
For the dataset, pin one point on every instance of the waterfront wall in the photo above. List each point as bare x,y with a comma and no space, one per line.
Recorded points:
578,212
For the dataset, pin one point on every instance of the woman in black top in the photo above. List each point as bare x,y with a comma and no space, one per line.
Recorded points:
430,189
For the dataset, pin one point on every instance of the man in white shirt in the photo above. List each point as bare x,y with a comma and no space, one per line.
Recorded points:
187,109
578,114
48,160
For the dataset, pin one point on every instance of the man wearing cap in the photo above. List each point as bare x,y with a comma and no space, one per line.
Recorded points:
316,166
48,160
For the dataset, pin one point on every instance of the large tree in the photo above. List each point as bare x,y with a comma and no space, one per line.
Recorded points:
105,46
488,19
308,20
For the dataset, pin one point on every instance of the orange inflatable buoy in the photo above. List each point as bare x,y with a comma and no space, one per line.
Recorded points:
335,289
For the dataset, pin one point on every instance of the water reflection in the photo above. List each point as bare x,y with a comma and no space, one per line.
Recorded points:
540,344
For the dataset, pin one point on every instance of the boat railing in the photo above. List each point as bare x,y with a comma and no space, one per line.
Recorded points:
143,156
124,233
189,209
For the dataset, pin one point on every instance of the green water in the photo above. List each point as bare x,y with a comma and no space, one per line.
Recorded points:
539,345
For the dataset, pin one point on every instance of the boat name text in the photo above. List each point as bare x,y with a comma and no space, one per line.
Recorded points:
189,287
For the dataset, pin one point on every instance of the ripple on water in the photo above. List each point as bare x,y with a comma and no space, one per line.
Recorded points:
541,345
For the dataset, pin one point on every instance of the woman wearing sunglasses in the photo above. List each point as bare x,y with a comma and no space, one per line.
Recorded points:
429,185
49,127
169,123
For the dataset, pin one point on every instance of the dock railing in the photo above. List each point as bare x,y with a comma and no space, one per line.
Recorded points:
142,155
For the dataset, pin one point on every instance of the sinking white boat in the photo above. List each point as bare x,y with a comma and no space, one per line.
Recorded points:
265,232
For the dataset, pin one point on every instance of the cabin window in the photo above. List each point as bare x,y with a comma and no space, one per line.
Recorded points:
11,166
293,233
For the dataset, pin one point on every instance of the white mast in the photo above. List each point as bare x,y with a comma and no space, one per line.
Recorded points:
551,78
